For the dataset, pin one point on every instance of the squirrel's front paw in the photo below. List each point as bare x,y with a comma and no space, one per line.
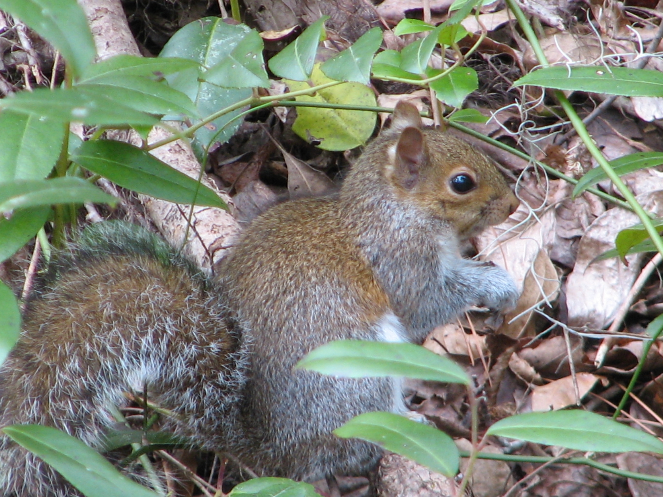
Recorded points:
500,292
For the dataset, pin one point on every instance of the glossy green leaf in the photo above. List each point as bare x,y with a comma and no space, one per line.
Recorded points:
578,430
295,62
65,105
19,194
82,466
10,321
467,116
21,226
208,42
461,9
355,358
134,65
598,79
630,237
141,94
415,56
242,67
410,26
621,166
273,487
29,146
136,169
387,64
62,23
451,34
334,129
453,88
354,63
421,443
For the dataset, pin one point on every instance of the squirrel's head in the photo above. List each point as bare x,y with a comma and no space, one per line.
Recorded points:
445,177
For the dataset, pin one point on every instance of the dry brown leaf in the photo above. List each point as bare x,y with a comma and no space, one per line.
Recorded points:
638,462
561,393
524,370
550,357
452,339
566,48
489,478
490,22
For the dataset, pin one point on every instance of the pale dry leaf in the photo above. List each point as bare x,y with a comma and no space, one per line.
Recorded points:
490,22
400,476
304,181
595,290
561,393
393,11
565,48
545,10
524,370
550,357
452,339
638,462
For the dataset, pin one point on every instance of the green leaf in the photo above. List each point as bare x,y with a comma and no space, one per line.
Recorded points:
462,9
451,34
19,194
135,169
141,94
66,105
62,23
121,437
387,64
630,237
29,146
655,327
296,61
10,321
273,487
467,116
134,65
598,79
455,86
16,230
416,55
623,165
82,466
334,129
410,26
354,63
578,430
356,358
416,441
243,67
208,42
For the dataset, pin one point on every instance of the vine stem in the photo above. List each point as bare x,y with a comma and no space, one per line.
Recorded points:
584,135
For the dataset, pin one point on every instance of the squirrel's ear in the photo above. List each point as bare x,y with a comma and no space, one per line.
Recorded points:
405,115
410,157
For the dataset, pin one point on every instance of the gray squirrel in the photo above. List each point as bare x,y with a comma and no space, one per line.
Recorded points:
380,261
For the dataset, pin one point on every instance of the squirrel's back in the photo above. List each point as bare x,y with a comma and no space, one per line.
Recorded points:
119,312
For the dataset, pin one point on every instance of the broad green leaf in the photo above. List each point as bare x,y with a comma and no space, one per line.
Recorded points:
62,23
451,34
243,67
467,116
334,129
208,42
630,237
10,321
134,65
66,105
415,56
655,327
621,166
462,9
638,248
21,226
598,79
29,145
578,430
24,193
82,466
273,487
135,169
141,94
356,358
387,64
410,26
416,441
296,61
354,63
455,86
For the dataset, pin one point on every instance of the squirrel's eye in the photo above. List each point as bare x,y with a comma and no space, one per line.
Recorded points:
463,183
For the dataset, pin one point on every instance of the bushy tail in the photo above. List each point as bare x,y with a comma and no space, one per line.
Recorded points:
119,312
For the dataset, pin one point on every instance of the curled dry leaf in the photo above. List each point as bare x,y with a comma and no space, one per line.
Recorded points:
452,339
521,249
625,355
562,393
524,370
